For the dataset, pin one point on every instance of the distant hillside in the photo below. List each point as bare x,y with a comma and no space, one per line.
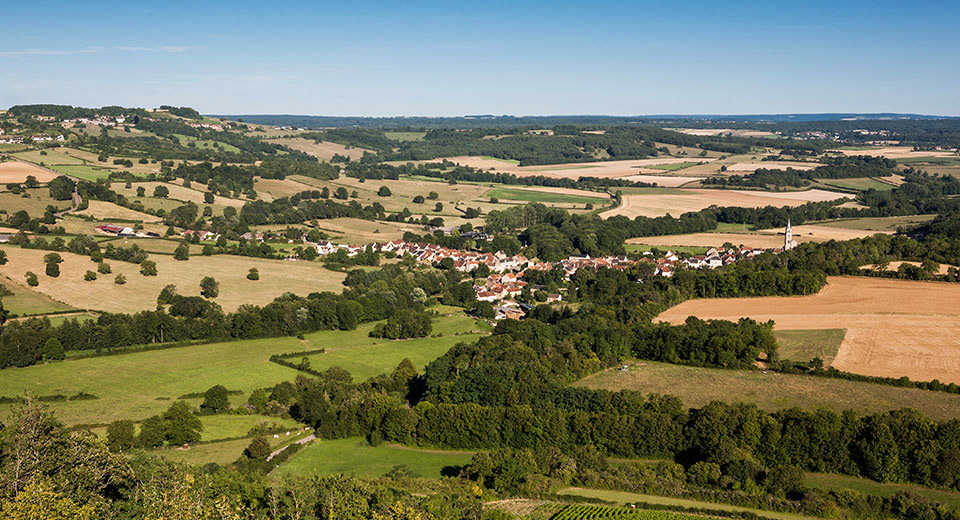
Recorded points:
491,121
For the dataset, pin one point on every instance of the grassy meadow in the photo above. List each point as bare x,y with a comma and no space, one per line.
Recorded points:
533,195
25,302
859,184
355,456
365,357
950,499
405,136
771,391
804,345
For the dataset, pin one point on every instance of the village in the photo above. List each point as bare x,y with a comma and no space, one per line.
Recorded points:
502,274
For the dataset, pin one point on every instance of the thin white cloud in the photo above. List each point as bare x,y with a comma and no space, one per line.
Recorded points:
89,50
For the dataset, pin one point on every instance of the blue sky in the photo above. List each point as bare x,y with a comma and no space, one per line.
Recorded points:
516,57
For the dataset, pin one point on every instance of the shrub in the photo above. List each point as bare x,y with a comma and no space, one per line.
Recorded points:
253,274
90,276
259,449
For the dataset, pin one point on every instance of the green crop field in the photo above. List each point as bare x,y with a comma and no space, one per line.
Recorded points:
804,345
772,391
936,161
673,166
405,136
354,456
141,384
489,158
533,195
87,173
623,497
861,184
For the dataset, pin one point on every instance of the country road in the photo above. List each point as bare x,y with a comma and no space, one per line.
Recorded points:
304,440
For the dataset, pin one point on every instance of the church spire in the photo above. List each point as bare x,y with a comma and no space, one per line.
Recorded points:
788,237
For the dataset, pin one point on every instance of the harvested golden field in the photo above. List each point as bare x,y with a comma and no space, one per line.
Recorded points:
667,181
59,155
771,165
894,328
894,152
723,131
177,192
140,292
324,150
16,171
657,205
101,210
272,189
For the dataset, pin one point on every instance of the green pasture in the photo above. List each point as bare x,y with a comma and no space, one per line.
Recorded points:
355,456
533,195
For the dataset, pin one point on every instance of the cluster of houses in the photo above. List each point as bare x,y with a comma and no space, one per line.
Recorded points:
97,120
122,231
463,261
42,138
209,126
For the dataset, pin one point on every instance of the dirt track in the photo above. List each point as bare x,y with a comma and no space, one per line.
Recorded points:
894,328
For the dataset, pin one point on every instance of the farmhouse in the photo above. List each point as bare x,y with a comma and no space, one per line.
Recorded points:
115,230
203,235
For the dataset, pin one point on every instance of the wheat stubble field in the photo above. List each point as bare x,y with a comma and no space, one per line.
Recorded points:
894,328
653,204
